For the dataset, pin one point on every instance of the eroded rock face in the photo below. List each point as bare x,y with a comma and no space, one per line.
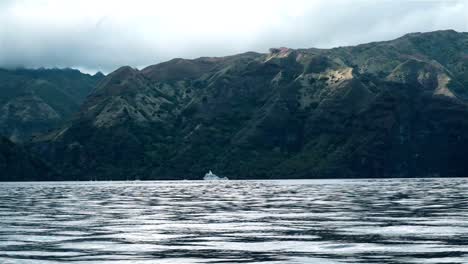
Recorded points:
395,108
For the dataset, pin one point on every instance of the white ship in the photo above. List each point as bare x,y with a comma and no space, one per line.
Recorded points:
210,176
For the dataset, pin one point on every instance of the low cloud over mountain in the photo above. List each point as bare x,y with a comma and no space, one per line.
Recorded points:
103,35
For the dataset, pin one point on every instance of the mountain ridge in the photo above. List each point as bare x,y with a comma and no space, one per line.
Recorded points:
382,109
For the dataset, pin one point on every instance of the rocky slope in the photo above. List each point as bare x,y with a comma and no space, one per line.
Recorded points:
385,109
36,101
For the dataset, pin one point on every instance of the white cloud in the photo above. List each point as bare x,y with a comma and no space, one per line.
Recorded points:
105,34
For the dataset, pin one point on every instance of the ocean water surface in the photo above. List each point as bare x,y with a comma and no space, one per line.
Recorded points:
310,221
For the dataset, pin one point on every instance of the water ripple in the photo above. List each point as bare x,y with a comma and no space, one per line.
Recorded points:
315,221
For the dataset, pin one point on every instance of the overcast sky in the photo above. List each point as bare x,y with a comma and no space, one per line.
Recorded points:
104,34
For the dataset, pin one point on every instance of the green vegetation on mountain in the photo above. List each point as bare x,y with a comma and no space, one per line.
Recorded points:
36,101
386,109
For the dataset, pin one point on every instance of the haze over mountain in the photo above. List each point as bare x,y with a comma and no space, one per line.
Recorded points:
104,35
384,109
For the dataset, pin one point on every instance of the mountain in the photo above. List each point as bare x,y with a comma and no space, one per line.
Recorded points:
16,164
37,101
397,108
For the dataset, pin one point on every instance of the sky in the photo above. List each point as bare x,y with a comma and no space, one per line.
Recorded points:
102,35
